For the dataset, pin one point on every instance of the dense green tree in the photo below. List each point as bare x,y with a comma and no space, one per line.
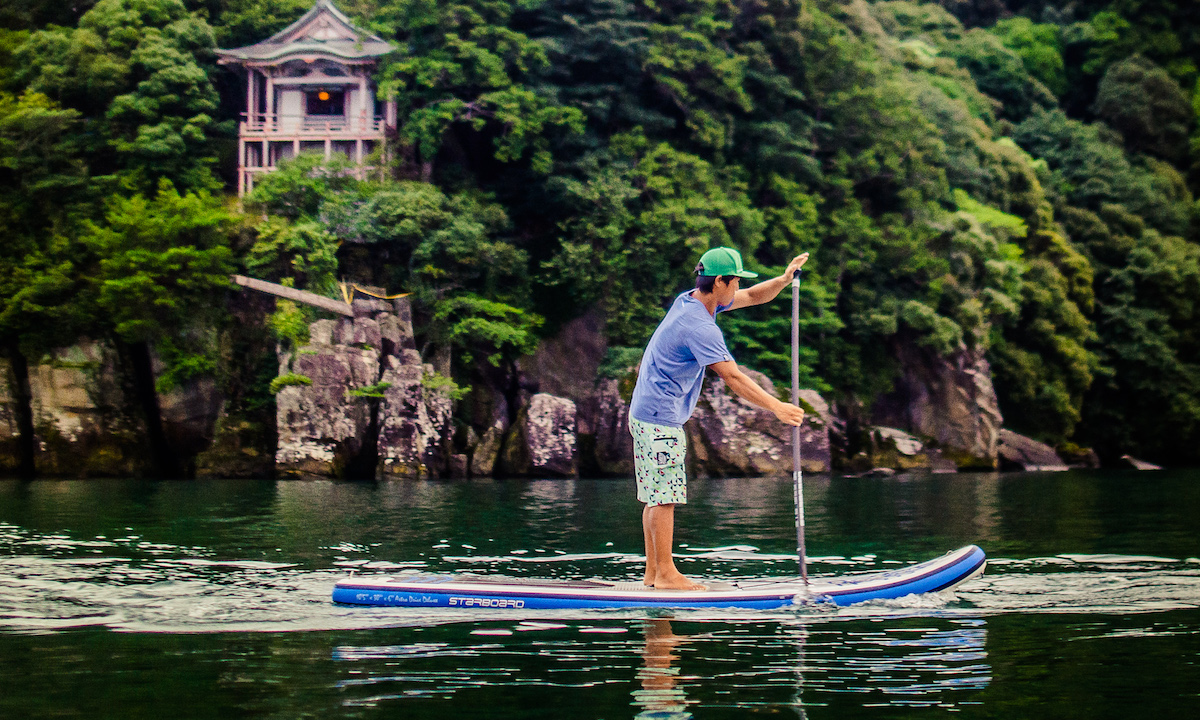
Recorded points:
466,68
1040,46
1001,73
1045,362
28,14
1147,325
647,216
1091,169
133,69
155,267
1142,102
1125,219
237,23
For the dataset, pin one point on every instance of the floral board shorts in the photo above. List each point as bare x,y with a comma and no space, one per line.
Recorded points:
658,463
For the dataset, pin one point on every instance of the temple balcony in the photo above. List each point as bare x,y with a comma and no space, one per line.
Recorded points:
275,126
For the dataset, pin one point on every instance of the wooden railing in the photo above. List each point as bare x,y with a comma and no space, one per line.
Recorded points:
276,123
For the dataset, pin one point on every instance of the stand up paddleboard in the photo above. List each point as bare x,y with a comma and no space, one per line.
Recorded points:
476,591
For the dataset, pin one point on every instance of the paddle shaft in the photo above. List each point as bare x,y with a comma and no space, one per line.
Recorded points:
797,473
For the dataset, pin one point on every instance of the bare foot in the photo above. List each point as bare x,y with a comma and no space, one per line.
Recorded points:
676,581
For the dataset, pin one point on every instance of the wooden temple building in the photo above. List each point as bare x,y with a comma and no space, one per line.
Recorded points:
309,89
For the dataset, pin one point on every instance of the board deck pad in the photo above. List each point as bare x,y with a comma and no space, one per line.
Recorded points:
482,591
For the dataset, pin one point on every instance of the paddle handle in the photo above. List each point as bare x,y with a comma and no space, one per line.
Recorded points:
797,473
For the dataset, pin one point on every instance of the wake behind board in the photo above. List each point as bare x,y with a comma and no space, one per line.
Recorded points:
474,591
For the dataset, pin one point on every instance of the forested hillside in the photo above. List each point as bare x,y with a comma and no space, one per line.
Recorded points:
1016,178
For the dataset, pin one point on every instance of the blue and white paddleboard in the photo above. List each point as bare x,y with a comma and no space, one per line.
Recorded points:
475,591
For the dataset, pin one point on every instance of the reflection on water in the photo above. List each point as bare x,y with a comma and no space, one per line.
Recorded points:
669,667
661,696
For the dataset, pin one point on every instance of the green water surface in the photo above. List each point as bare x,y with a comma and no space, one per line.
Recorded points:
129,599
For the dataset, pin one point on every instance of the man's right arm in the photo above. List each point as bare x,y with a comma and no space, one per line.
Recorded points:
768,290
745,388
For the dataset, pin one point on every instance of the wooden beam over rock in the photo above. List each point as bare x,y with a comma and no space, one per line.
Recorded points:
300,296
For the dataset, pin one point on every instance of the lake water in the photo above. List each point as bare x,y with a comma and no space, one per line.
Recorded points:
130,599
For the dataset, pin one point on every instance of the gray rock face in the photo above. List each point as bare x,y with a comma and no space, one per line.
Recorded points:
950,400
414,423
604,425
894,449
486,451
905,444
190,413
565,365
542,440
84,424
1079,457
731,436
321,427
8,423
1018,452
325,428
237,450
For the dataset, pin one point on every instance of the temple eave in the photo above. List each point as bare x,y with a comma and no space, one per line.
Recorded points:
350,54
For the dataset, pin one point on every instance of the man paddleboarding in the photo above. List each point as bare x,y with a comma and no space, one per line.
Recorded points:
668,386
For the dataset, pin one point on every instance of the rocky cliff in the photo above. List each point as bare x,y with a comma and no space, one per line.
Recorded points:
950,401
358,402
542,440
731,436
85,424
355,401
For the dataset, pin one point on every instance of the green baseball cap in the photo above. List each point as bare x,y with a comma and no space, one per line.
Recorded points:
724,261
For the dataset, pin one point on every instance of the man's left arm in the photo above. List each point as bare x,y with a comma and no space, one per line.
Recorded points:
744,387
768,290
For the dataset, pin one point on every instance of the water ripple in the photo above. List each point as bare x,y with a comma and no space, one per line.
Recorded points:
54,581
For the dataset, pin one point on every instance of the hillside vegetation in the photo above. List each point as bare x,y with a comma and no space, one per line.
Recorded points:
1005,176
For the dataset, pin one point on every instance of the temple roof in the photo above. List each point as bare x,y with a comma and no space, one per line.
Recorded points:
323,30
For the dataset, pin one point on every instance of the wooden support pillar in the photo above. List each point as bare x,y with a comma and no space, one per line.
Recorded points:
269,118
250,96
270,109
363,105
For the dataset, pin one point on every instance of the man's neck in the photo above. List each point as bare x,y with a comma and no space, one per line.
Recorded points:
708,300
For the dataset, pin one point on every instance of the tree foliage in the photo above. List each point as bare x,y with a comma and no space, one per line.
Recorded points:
1140,100
453,252
133,69
158,263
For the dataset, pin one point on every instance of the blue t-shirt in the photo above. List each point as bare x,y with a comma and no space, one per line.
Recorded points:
672,371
